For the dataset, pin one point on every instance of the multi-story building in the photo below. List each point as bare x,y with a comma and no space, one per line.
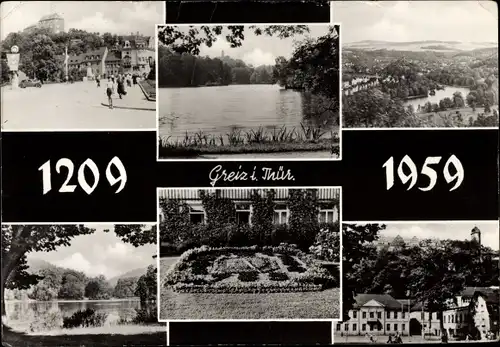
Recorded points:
375,314
96,60
327,197
137,54
484,312
54,22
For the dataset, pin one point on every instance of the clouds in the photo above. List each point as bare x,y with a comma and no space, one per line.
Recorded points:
99,16
447,230
100,254
258,49
258,57
464,21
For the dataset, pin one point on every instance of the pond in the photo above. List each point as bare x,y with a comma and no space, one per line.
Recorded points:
447,92
221,109
20,314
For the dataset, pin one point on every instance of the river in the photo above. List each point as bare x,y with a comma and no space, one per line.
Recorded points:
20,314
447,92
219,110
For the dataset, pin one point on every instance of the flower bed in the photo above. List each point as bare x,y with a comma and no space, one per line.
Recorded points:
252,269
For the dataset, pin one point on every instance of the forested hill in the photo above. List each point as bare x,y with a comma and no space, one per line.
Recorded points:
186,70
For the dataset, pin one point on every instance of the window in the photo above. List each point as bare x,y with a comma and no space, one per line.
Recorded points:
354,314
364,314
354,327
372,315
346,327
363,327
338,326
327,213
395,327
388,327
371,327
280,215
452,319
444,319
395,314
243,213
196,215
403,314
388,314
379,315
403,327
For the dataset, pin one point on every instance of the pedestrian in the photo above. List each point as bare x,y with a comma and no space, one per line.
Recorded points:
129,80
121,86
134,79
110,86
98,80
389,340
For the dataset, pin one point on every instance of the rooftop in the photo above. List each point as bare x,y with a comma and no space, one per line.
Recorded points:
51,17
384,299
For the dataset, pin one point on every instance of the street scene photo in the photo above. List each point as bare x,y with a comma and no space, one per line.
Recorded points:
413,64
420,282
249,92
80,285
77,65
249,254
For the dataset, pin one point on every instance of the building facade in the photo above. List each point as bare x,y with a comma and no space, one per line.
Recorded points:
137,54
95,60
375,314
327,197
54,22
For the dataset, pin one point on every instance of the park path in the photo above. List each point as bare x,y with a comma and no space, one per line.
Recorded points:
77,106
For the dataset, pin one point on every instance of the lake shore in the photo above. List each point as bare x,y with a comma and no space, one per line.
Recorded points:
273,149
103,336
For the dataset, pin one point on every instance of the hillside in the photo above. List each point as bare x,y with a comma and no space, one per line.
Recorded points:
132,273
421,45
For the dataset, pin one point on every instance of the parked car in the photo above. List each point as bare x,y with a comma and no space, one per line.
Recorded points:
30,83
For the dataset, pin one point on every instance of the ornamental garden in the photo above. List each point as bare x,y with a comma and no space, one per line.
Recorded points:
249,254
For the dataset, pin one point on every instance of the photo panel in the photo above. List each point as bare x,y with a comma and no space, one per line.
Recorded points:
413,65
247,92
244,254
79,65
87,284
419,282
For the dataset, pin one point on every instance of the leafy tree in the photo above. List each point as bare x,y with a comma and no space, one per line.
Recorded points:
98,288
356,246
146,286
125,287
19,240
72,286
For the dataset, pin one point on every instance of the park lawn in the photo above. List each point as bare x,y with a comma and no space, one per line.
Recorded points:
86,337
169,151
303,305
149,87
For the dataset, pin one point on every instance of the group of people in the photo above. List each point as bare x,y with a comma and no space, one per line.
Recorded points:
116,85
397,339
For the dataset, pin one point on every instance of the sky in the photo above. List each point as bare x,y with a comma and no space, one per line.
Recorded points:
258,50
94,16
465,21
100,253
445,230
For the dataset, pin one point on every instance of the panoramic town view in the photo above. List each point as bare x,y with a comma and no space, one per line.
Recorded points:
412,64
78,65
80,285
249,254
230,92
420,282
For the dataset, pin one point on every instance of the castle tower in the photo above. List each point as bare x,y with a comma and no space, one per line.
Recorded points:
476,236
